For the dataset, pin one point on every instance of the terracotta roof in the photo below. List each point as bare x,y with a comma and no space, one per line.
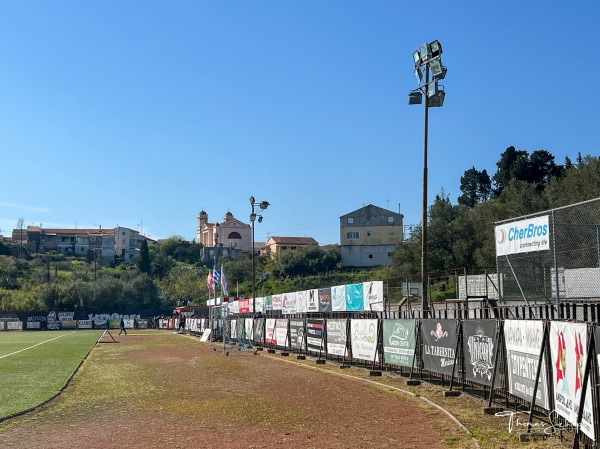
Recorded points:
293,240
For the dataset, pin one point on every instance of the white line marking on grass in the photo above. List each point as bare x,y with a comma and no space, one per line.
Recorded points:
41,343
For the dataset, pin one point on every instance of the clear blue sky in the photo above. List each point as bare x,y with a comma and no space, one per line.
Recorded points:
142,113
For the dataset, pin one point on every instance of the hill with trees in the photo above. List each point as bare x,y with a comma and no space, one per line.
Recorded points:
459,235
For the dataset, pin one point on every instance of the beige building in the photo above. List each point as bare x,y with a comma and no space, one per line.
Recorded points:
105,243
368,236
233,236
277,244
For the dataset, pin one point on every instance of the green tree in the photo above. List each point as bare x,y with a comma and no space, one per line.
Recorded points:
513,164
144,259
476,187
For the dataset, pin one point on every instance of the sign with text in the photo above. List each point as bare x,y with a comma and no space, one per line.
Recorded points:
568,349
523,236
314,334
364,339
399,342
523,343
439,339
336,337
479,344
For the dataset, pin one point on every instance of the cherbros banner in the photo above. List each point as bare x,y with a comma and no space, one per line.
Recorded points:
523,236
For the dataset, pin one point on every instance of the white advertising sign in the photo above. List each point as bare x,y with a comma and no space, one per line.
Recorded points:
568,347
523,236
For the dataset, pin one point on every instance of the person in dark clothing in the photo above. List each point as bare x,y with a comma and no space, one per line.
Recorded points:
122,327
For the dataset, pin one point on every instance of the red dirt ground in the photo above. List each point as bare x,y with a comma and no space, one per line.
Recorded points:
164,390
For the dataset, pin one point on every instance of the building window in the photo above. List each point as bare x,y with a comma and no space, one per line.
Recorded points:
82,249
350,220
370,256
369,234
390,219
352,235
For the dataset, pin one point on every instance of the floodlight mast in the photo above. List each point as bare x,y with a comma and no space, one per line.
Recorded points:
427,59
256,207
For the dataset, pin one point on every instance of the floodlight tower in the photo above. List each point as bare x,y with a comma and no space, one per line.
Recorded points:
428,70
256,207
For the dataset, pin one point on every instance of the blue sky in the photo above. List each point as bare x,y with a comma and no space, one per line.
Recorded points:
143,113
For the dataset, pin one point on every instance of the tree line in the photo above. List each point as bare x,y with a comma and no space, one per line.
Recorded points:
460,235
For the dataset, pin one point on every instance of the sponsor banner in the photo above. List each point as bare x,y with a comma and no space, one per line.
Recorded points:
260,305
297,340
142,324
233,331
480,340
14,325
301,301
312,300
39,318
568,348
314,334
66,316
53,325
399,342
34,325
84,324
364,339
373,296
241,328
523,236
68,324
523,343
249,327
129,323
354,298
258,330
268,304
270,331
277,302
288,303
336,337
439,340
338,298
281,332
325,299
244,305
234,307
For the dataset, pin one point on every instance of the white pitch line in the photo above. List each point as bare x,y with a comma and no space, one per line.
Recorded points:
41,343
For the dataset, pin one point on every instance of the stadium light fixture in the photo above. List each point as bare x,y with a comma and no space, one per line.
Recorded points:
428,70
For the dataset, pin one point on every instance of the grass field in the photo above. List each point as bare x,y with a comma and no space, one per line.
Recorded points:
35,366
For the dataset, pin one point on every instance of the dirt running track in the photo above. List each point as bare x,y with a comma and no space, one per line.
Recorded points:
162,390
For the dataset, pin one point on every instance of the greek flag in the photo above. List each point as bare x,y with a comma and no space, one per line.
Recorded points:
216,277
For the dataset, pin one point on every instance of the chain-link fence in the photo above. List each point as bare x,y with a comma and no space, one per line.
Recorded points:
538,252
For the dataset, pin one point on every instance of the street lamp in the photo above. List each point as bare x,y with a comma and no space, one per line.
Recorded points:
256,207
427,62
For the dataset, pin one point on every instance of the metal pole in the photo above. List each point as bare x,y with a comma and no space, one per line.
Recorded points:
424,280
253,269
